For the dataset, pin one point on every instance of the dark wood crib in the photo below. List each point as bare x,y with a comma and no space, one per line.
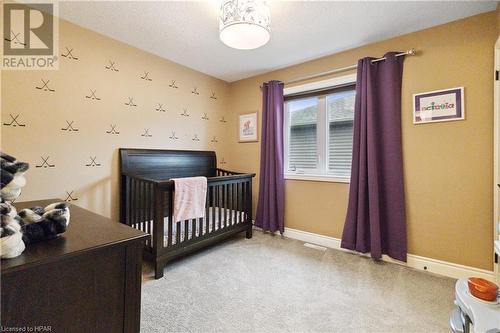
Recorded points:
146,201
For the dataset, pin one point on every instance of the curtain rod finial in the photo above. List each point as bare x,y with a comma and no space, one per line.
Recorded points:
411,51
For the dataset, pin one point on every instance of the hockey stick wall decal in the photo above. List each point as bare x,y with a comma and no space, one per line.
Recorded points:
45,86
14,121
69,54
70,127
45,163
112,66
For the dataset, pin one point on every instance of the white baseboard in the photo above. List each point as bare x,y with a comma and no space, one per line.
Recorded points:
417,262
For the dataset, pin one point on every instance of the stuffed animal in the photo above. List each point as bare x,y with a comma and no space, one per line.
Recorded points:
12,177
11,237
39,224
30,225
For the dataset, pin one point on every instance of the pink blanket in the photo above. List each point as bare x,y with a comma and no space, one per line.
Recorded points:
189,198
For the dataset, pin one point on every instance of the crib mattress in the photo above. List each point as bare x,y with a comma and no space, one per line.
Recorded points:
231,217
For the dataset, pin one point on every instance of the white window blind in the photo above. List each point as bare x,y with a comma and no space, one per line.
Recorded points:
340,107
303,135
318,132
303,148
340,150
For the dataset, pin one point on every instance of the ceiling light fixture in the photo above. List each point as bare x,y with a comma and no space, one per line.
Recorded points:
244,24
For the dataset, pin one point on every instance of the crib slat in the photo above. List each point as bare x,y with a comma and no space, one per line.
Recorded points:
151,212
234,212
177,232
231,203
186,229
133,199
238,200
146,207
249,202
235,204
170,223
146,213
153,200
126,192
243,193
151,208
140,197
214,205
138,204
219,206
142,205
127,200
145,191
216,198
193,231
242,198
207,216
211,218
223,206
226,205
149,200
224,213
157,226
131,213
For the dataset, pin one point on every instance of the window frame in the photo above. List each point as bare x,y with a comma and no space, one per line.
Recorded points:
321,173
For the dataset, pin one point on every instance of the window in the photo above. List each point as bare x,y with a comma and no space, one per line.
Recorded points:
318,133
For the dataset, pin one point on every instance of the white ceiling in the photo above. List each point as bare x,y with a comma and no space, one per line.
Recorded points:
187,32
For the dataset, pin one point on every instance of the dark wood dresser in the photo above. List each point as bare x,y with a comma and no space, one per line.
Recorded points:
86,280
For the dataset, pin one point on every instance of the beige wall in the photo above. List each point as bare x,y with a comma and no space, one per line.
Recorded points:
448,166
45,114
498,17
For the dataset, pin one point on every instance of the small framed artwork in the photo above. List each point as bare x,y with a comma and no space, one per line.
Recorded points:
439,105
248,127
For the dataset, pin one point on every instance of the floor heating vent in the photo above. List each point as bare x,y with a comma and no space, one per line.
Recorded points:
314,246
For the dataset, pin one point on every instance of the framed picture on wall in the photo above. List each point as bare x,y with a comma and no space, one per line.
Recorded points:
439,105
248,127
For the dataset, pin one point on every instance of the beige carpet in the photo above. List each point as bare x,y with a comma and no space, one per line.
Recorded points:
270,284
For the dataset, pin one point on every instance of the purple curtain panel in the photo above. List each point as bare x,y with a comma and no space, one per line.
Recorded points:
270,206
376,217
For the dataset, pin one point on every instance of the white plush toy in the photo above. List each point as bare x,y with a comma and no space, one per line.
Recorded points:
11,241
30,225
39,224
11,181
12,177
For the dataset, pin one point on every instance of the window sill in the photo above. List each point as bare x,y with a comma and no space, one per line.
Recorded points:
317,178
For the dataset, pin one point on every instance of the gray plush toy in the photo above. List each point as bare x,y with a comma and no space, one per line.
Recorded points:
11,241
11,177
39,224
30,225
